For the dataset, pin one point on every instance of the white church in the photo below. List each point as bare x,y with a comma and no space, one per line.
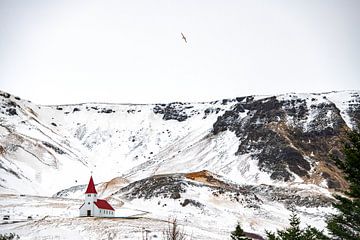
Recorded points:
94,207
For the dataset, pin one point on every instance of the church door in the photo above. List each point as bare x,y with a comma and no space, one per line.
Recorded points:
89,213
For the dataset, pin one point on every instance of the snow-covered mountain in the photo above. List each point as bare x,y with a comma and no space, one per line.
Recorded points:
250,159
274,140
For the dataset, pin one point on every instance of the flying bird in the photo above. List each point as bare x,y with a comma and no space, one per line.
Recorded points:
183,37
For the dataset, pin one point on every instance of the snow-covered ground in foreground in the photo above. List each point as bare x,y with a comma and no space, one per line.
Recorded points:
57,218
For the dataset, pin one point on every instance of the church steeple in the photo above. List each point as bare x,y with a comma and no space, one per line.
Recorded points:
94,207
91,187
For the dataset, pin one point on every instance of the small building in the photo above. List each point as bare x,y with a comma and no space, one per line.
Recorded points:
94,207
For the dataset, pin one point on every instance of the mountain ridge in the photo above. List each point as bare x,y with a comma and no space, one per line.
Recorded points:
237,138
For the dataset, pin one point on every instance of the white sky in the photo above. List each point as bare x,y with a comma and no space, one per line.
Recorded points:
54,52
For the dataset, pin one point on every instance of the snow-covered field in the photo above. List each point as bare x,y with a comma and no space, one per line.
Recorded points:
210,217
55,218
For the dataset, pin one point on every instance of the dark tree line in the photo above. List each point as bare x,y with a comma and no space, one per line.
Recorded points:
346,224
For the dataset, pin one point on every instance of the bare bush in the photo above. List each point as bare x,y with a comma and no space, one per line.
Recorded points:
173,231
145,234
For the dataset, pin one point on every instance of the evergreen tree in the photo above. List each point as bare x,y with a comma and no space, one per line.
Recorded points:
11,236
295,233
346,224
238,234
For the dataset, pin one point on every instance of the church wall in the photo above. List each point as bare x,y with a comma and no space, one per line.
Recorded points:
103,212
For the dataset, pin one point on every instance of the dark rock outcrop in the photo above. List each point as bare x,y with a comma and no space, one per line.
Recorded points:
172,111
283,136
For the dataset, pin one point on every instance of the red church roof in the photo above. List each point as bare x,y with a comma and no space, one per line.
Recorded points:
91,186
103,204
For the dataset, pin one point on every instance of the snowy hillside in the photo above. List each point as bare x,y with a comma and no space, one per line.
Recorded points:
199,201
251,159
255,140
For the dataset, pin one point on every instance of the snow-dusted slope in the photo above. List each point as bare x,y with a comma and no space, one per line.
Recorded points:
252,140
203,200
206,206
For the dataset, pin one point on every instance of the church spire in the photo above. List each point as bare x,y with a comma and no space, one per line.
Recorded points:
91,187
